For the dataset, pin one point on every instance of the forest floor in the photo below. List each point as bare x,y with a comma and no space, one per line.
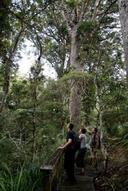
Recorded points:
116,177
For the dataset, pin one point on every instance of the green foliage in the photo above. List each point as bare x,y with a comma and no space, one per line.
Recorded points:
24,178
17,122
86,26
75,75
72,3
37,109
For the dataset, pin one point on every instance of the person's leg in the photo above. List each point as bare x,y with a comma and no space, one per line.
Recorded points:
95,162
105,156
94,157
69,165
65,160
66,163
83,151
81,160
78,159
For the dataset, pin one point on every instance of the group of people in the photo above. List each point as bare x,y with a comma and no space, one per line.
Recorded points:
71,157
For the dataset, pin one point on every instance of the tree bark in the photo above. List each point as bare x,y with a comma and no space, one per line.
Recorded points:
7,68
73,21
74,46
75,96
123,11
8,62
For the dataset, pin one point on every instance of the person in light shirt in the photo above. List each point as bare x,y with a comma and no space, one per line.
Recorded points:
82,150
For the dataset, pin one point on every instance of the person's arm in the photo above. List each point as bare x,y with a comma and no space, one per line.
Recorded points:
66,144
80,137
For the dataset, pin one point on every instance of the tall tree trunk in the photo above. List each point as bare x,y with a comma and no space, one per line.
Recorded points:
75,102
73,18
34,130
7,68
7,63
34,78
75,96
74,47
33,82
4,34
123,10
99,107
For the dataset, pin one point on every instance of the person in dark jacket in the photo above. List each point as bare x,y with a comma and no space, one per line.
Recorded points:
69,154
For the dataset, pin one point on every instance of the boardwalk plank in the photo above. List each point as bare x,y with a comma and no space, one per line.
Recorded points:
84,182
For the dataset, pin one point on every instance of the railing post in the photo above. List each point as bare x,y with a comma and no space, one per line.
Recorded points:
52,171
47,184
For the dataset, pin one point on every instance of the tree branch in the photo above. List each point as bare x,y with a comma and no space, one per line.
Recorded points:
65,16
83,10
97,3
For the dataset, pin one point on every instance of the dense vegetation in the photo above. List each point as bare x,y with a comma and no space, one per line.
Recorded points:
34,110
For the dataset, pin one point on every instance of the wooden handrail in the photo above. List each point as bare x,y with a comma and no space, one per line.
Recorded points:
52,170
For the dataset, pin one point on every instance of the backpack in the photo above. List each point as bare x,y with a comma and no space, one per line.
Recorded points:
76,143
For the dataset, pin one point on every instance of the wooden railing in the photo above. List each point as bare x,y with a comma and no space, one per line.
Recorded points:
52,171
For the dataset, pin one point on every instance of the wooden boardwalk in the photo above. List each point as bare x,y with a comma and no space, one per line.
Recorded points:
84,182
55,177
